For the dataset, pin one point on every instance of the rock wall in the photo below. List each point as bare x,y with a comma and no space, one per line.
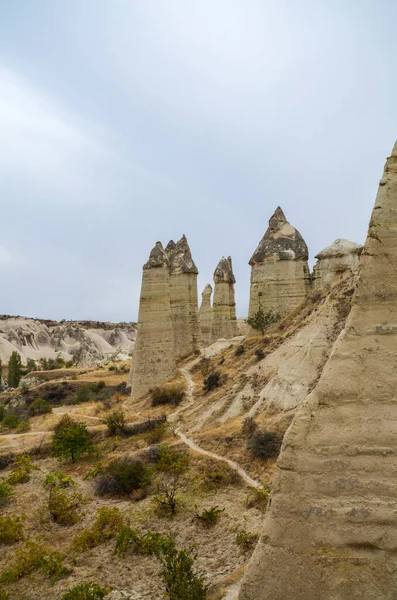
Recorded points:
206,316
280,276
224,323
331,530
154,357
337,261
183,297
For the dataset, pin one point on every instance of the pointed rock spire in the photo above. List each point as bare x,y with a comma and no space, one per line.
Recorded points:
206,316
157,257
224,323
181,257
224,271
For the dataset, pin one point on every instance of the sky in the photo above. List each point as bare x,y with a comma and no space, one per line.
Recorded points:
124,122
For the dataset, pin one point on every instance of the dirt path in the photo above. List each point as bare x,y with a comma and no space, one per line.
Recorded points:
189,442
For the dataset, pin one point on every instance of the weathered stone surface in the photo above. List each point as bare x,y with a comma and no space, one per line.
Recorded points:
337,261
224,323
183,296
331,530
206,316
280,276
154,357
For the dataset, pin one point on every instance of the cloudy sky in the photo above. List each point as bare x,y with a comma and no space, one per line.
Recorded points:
127,121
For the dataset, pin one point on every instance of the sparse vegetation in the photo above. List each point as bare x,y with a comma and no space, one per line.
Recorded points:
157,434
173,465
265,444
108,523
210,516
167,394
246,541
63,506
249,426
182,582
260,321
239,350
259,354
10,421
11,529
71,439
6,492
22,469
217,474
23,426
122,477
213,381
58,479
40,407
116,422
34,556
86,591
14,370
258,497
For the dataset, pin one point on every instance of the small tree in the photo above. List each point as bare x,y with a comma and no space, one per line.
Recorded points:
71,439
14,370
260,321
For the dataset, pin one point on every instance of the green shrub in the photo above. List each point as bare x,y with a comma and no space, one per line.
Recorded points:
239,351
11,529
260,321
258,497
6,492
40,407
86,591
171,460
63,506
91,392
259,354
167,394
211,515
115,422
214,380
10,421
58,479
108,523
173,465
14,370
71,439
23,426
217,474
147,543
246,541
123,476
20,473
155,435
249,426
265,444
182,582
4,595
34,556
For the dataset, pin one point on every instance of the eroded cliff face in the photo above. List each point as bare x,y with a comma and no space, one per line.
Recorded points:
336,262
206,316
154,356
280,276
331,530
224,323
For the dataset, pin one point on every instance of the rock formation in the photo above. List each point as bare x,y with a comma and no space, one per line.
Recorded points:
206,316
339,260
331,530
280,276
154,357
224,323
183,296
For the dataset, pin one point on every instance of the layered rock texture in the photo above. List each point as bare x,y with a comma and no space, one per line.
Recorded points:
280,276
206,316
154,355
183,297
337,261
86,343
224,323
331,530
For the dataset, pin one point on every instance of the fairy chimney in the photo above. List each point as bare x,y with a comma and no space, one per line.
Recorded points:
206,316
337,261
224,323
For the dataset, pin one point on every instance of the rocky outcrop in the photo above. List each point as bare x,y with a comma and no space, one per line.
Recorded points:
224,323
336,262
280,276
154,357
331,530
206,316
183,297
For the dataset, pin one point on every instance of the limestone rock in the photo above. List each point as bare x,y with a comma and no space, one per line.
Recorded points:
183,297
224,323
331,530
154,358
280,276
337,261
206,316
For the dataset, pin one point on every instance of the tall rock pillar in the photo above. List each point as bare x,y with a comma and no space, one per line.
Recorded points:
206,316
224,323
280,276
337,261
331,530
153,358
183,296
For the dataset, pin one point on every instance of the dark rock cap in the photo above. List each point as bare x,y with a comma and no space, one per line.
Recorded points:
180,257
157,258
281,241
224,271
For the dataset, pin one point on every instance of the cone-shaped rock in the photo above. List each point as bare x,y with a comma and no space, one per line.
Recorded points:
224,323
280,276
206,316
331,530
337,261
153,359
184,300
